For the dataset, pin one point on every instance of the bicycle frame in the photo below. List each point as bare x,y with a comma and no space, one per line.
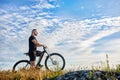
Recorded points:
41,56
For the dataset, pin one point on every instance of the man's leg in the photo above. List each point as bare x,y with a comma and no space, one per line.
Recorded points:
32,60
32,64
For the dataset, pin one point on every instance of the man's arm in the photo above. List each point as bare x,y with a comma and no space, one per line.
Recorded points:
37,43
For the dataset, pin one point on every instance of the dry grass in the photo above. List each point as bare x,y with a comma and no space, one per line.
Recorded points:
28,74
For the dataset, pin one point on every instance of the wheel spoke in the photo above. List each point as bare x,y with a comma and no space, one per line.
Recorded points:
55,62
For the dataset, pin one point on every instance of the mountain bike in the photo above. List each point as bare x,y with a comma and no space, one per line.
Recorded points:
53,61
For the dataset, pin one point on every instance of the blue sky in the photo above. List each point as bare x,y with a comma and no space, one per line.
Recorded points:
81,30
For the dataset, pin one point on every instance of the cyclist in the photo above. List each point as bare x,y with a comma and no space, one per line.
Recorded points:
33,44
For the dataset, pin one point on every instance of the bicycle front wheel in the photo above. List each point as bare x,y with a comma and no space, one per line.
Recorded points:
55,62
22,64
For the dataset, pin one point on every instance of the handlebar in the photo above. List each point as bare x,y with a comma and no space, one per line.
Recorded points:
44,48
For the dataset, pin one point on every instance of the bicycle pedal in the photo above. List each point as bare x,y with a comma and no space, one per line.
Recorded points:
39,66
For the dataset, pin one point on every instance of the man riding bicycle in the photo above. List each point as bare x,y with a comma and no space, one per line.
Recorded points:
33,44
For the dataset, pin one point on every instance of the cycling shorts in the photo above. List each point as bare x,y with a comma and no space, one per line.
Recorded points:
32,55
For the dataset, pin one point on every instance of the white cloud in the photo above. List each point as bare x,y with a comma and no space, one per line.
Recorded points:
72,38
44,4
71,32
24,8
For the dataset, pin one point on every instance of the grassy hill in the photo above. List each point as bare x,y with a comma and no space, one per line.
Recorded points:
39,74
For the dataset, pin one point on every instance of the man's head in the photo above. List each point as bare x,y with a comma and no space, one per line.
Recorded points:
34,32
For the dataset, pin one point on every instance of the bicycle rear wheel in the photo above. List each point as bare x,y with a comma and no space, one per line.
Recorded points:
22,64
55,62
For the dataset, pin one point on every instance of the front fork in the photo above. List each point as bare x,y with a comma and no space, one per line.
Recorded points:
53,62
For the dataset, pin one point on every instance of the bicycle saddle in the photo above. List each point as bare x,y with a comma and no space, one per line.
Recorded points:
26,54
38,53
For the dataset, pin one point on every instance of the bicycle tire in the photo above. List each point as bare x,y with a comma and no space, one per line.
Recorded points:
18,63
57,67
